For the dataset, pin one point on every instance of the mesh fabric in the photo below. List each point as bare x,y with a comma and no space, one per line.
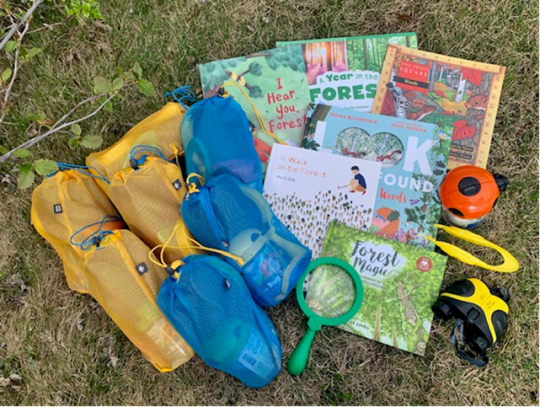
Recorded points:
228,215
123,280
217,140
212,309
149,200
159,129
63,204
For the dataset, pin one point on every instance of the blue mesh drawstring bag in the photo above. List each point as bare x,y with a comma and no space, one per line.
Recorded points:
228,215
208,303
217,140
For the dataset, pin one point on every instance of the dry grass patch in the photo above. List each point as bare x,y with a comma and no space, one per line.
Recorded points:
65,348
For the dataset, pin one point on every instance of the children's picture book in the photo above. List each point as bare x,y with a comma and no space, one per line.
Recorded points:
307,189
459,96
413,158
344,72
271,87
401,282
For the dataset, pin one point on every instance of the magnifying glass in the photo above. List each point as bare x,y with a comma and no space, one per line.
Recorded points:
335,296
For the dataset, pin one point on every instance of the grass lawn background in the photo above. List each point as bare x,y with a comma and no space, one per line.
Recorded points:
61,344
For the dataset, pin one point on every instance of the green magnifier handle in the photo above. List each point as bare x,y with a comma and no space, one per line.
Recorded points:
299,358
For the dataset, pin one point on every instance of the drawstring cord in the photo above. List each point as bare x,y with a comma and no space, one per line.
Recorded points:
192,186
83,169
95,237
145,148
181,94
173,268
259,116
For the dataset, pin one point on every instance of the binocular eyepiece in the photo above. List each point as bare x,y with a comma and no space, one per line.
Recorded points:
481,316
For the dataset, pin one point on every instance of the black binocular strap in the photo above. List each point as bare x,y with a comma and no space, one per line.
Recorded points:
460,348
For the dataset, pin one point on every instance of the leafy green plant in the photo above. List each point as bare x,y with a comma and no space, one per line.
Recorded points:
106,91
84,8
27,171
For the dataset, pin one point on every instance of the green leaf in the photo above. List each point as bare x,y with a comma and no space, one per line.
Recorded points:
44,167
101,85
91,142
146,87
128,76
10,46
26,176
73,142
21,153
137,70
36,117
108,106
75,129
33,52
118,83
6,74
3,149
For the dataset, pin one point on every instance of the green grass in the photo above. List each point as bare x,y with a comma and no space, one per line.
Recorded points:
60,364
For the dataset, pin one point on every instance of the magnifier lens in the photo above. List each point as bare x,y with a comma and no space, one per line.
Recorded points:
329,291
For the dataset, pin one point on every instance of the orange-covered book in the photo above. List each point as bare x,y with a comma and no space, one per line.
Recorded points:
459,96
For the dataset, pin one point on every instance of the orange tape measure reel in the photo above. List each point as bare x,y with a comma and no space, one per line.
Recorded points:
469,193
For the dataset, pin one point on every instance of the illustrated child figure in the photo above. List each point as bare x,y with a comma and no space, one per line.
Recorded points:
358,183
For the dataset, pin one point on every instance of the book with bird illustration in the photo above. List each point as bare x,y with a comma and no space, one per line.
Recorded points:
307,189
401,282
271,87
459,96
344,72
413,156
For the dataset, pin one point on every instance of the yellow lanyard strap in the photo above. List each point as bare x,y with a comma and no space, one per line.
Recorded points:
259,116
509,265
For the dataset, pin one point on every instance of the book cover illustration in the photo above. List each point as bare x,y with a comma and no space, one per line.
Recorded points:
460,96
344,72
275,82
401,282
307,189
413,158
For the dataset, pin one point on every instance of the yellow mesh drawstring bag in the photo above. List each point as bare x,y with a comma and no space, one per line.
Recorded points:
159,130
64,203
124,281
148,194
